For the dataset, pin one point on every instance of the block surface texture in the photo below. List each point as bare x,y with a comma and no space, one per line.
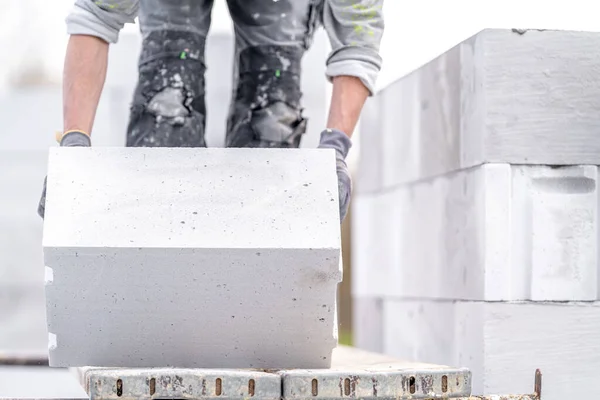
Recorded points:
499,96
492,232
208,258
503,343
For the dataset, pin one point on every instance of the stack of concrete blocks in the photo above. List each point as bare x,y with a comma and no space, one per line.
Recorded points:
31,115
214,258
476,213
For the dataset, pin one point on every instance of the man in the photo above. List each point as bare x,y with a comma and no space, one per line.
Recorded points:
271,37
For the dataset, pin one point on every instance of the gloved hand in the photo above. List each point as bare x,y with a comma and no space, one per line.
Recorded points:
69,139
341,143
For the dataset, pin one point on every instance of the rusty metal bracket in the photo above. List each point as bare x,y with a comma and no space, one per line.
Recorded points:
537,388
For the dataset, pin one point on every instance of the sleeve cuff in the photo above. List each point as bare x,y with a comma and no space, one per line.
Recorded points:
83,22
359,62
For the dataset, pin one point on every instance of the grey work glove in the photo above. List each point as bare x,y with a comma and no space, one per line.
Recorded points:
341,143
70,139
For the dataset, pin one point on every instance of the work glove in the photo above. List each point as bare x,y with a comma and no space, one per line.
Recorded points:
69,139
341,143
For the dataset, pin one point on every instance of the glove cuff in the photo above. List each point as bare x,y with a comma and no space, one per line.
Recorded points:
337,140
75,139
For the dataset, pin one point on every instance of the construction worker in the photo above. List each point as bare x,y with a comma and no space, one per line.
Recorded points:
271,36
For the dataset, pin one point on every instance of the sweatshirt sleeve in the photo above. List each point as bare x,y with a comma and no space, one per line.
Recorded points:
355,28
103,19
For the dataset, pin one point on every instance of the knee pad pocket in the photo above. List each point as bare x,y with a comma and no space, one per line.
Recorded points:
168,107
266,110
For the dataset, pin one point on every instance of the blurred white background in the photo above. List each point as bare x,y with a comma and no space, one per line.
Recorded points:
32,32
32,45
33,40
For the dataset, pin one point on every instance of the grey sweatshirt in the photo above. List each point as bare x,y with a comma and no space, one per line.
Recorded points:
354,27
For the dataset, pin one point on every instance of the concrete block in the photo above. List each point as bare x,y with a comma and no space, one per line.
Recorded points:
502,343
367,324
208,258
375,244
493,232
499,96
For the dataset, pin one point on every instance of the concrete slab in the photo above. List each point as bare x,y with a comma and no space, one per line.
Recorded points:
499,96
353,373
502,343
178,383
494,232
362,374
195,258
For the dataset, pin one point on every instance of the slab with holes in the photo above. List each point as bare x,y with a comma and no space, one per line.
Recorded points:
178,383
360,374
354,374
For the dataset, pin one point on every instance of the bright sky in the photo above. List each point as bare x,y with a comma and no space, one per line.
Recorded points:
419,30
416,31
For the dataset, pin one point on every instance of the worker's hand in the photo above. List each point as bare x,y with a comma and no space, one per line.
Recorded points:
341,143
69,139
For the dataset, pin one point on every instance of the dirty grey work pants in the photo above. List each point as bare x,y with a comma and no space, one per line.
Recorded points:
271,37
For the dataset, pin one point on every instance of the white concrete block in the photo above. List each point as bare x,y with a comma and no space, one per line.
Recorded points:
502,343
499,96
192,257
494,232
367,323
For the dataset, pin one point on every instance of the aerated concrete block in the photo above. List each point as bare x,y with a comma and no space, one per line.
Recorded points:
493,232
502,343
500,96
367,323
208,258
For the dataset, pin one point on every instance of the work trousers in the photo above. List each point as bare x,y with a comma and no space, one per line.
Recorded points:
271,37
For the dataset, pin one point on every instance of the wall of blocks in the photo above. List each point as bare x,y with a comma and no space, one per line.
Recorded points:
475,213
